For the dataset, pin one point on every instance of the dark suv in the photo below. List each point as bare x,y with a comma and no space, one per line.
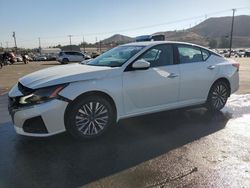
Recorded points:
247,54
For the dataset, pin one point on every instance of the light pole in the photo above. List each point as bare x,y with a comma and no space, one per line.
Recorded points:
14,36
83,42
70,41
39,41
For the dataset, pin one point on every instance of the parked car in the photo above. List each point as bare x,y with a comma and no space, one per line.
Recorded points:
247,54
71,56
19,58
12,57
241,53
237,54
29,58
129,80
40,58
51,57
94,54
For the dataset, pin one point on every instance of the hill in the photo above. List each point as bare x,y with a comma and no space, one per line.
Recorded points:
184,36
117,38
213,30
219,27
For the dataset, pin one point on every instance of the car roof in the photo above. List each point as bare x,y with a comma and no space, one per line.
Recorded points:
149,43
153,43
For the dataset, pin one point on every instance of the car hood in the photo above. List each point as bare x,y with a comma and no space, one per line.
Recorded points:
63,74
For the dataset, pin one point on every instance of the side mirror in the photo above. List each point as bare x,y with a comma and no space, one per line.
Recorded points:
141,64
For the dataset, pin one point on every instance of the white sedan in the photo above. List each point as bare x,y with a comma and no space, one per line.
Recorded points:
86,99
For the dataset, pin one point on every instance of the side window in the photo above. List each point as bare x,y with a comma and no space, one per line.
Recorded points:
189,54
160,55
205,54
79,54
69,53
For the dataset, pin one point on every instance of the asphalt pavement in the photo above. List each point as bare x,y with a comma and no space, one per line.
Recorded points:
179,148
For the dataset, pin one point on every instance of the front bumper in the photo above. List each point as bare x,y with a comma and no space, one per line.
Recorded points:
51,115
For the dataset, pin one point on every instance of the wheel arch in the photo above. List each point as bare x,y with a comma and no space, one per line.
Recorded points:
223,79
93,93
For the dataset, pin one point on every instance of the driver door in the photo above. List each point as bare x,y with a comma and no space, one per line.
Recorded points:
154,88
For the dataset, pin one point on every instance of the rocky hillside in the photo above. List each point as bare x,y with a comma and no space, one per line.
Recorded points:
117,38
213,30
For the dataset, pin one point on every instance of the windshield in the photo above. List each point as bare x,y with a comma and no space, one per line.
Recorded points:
115,57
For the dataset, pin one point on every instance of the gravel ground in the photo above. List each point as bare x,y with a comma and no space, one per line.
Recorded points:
10,74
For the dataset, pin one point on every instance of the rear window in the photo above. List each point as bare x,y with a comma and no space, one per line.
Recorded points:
189,54
205,54
78,53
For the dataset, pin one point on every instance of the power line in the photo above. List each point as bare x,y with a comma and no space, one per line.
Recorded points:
141,27
160,24
146,26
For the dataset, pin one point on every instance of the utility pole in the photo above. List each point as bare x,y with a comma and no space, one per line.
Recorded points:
231,35
14,36
96,43
100,46
70,41
83,43
7,45
39,41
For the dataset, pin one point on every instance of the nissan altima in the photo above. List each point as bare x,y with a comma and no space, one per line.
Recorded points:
86,99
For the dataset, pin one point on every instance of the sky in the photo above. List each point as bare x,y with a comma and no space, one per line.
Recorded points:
94,20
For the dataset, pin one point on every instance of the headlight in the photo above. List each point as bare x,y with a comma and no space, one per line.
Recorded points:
41,95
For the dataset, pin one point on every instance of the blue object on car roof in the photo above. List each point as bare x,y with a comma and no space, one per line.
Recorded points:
143,38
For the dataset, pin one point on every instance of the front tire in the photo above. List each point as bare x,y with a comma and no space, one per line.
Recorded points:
65,61
218,96
89,117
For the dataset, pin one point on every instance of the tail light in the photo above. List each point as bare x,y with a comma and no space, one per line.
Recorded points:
236,65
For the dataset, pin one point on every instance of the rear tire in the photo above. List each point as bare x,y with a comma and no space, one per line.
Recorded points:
89,117
218,96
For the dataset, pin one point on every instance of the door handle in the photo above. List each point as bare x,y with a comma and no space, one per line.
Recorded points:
211,67
172,75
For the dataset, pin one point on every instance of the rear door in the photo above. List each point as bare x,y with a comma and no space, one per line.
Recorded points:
197,73
80,56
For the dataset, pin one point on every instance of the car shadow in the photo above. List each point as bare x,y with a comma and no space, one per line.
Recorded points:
61,161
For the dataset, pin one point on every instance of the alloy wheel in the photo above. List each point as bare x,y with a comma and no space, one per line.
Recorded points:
91,118
219,96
